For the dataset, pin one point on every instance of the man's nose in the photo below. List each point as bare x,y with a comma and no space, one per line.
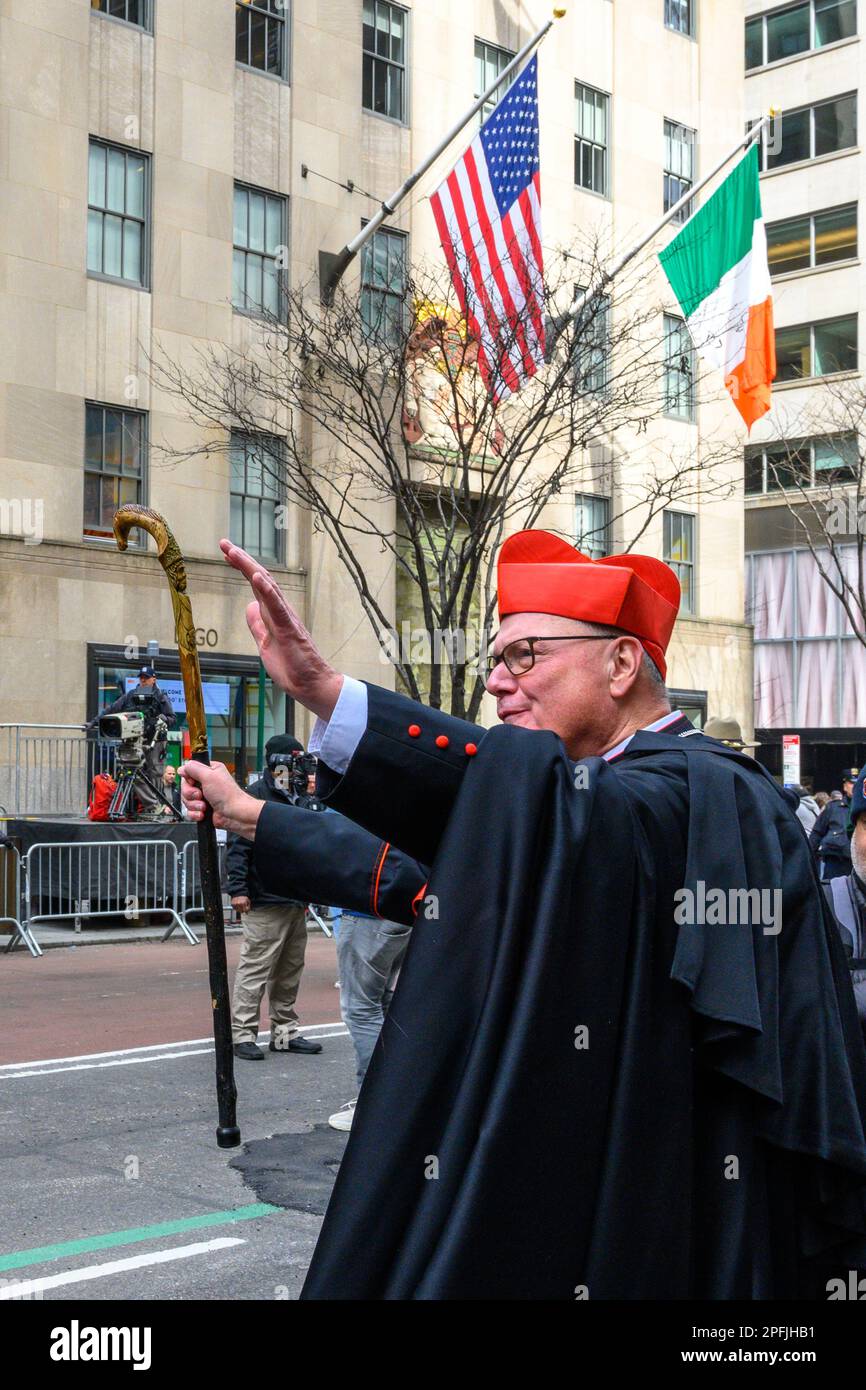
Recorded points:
501,681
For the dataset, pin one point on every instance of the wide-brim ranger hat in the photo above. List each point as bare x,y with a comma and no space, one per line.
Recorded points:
540,573
727,730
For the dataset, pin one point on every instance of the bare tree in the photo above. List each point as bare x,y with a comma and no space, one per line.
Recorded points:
818,470
373,416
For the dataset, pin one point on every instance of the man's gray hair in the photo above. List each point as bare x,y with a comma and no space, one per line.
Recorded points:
648,665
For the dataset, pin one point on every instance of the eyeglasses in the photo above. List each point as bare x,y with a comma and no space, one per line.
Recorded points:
519,656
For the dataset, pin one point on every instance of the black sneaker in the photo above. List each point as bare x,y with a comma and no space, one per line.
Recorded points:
250,1052
296,1044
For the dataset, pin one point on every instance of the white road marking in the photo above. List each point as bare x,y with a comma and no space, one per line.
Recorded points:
151,1047
28,1287
12,1072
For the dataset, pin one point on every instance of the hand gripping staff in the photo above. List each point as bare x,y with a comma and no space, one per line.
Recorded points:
228,1135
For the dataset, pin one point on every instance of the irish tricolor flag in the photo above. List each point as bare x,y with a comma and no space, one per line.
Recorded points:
717,266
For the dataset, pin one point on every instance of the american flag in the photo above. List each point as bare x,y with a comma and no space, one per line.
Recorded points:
488,212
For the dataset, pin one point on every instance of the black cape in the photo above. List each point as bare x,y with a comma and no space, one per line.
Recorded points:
704,1137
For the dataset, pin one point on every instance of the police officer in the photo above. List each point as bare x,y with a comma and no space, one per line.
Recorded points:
847,898
829,837
147,699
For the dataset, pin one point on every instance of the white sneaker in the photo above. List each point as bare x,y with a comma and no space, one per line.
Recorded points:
343,1117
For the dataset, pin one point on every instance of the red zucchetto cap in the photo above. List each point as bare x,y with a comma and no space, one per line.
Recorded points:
539,573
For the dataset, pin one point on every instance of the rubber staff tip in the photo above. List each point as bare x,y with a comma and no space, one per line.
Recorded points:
228,1137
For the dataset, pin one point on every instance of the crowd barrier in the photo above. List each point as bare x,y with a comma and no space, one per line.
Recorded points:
47,769
83,881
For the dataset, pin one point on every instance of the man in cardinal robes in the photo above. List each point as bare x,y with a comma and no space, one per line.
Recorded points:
623,1058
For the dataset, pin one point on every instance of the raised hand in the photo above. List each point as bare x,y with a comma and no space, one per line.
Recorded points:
286,648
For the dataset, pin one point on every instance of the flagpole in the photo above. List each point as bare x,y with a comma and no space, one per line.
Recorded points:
331,267
580,301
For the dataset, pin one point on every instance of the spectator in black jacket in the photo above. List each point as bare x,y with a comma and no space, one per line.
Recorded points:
275,938
847,898
829,837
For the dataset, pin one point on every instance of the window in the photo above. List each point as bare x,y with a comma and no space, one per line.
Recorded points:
680,16
816,349
800,243
679,172
133,11
679,371
679,553
810,131
257,463
592,525
592,345
490,61
261,35
114,449
801,462
116,215
591,119
780,34
259,249
384,59
383,285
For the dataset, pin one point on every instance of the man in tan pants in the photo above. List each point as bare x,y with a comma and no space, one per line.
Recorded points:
275,937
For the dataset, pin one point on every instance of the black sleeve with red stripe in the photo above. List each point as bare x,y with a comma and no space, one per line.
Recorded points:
324,858
405,774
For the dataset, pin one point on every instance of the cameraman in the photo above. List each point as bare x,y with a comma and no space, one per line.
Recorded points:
148,700
274,927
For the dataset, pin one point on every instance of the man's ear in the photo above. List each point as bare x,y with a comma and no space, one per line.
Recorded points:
626,661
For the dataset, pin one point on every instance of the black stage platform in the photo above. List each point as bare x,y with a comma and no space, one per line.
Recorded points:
61,830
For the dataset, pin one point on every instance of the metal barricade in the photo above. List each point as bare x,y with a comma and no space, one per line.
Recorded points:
121,879
47,769
10,901
189,880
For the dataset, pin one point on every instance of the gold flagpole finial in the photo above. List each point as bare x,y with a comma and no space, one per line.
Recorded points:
558,14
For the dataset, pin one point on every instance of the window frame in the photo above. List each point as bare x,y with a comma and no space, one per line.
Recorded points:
261,312
667,173
94,538
506,53
284,19
580,140
603,546
146,26
763,157
812,46
144,221
403,118
668,515
810,217
279,501
812,326
600,328
672,28
752,451
691,417
370,288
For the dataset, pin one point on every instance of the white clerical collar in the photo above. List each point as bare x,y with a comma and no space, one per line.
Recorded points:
654,728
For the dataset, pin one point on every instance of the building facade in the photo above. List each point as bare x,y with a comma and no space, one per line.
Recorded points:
810,667
162,163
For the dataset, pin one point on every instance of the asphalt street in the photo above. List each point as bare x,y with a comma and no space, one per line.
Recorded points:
114,1187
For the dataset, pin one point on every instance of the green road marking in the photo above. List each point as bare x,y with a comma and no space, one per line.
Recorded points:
41,1253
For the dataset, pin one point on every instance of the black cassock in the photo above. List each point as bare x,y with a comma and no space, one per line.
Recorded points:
573,1095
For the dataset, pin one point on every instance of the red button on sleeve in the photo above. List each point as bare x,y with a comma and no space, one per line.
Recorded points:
471,750
442,741
414,730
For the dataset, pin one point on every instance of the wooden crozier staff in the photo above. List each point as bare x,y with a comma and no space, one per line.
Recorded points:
228,1135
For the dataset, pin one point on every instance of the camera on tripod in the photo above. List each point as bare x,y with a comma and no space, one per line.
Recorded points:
129,730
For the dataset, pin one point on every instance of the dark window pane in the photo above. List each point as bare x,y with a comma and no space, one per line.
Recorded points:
794,143
380,89
367,93
787,33
258,40
131,443
788,466
94,241
117,8
836,235
754,43
789,245
275,42
91,501
836,125
834,20
835,346
793,353
113,440
837,459
110,502
93,435
754,471
242,34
